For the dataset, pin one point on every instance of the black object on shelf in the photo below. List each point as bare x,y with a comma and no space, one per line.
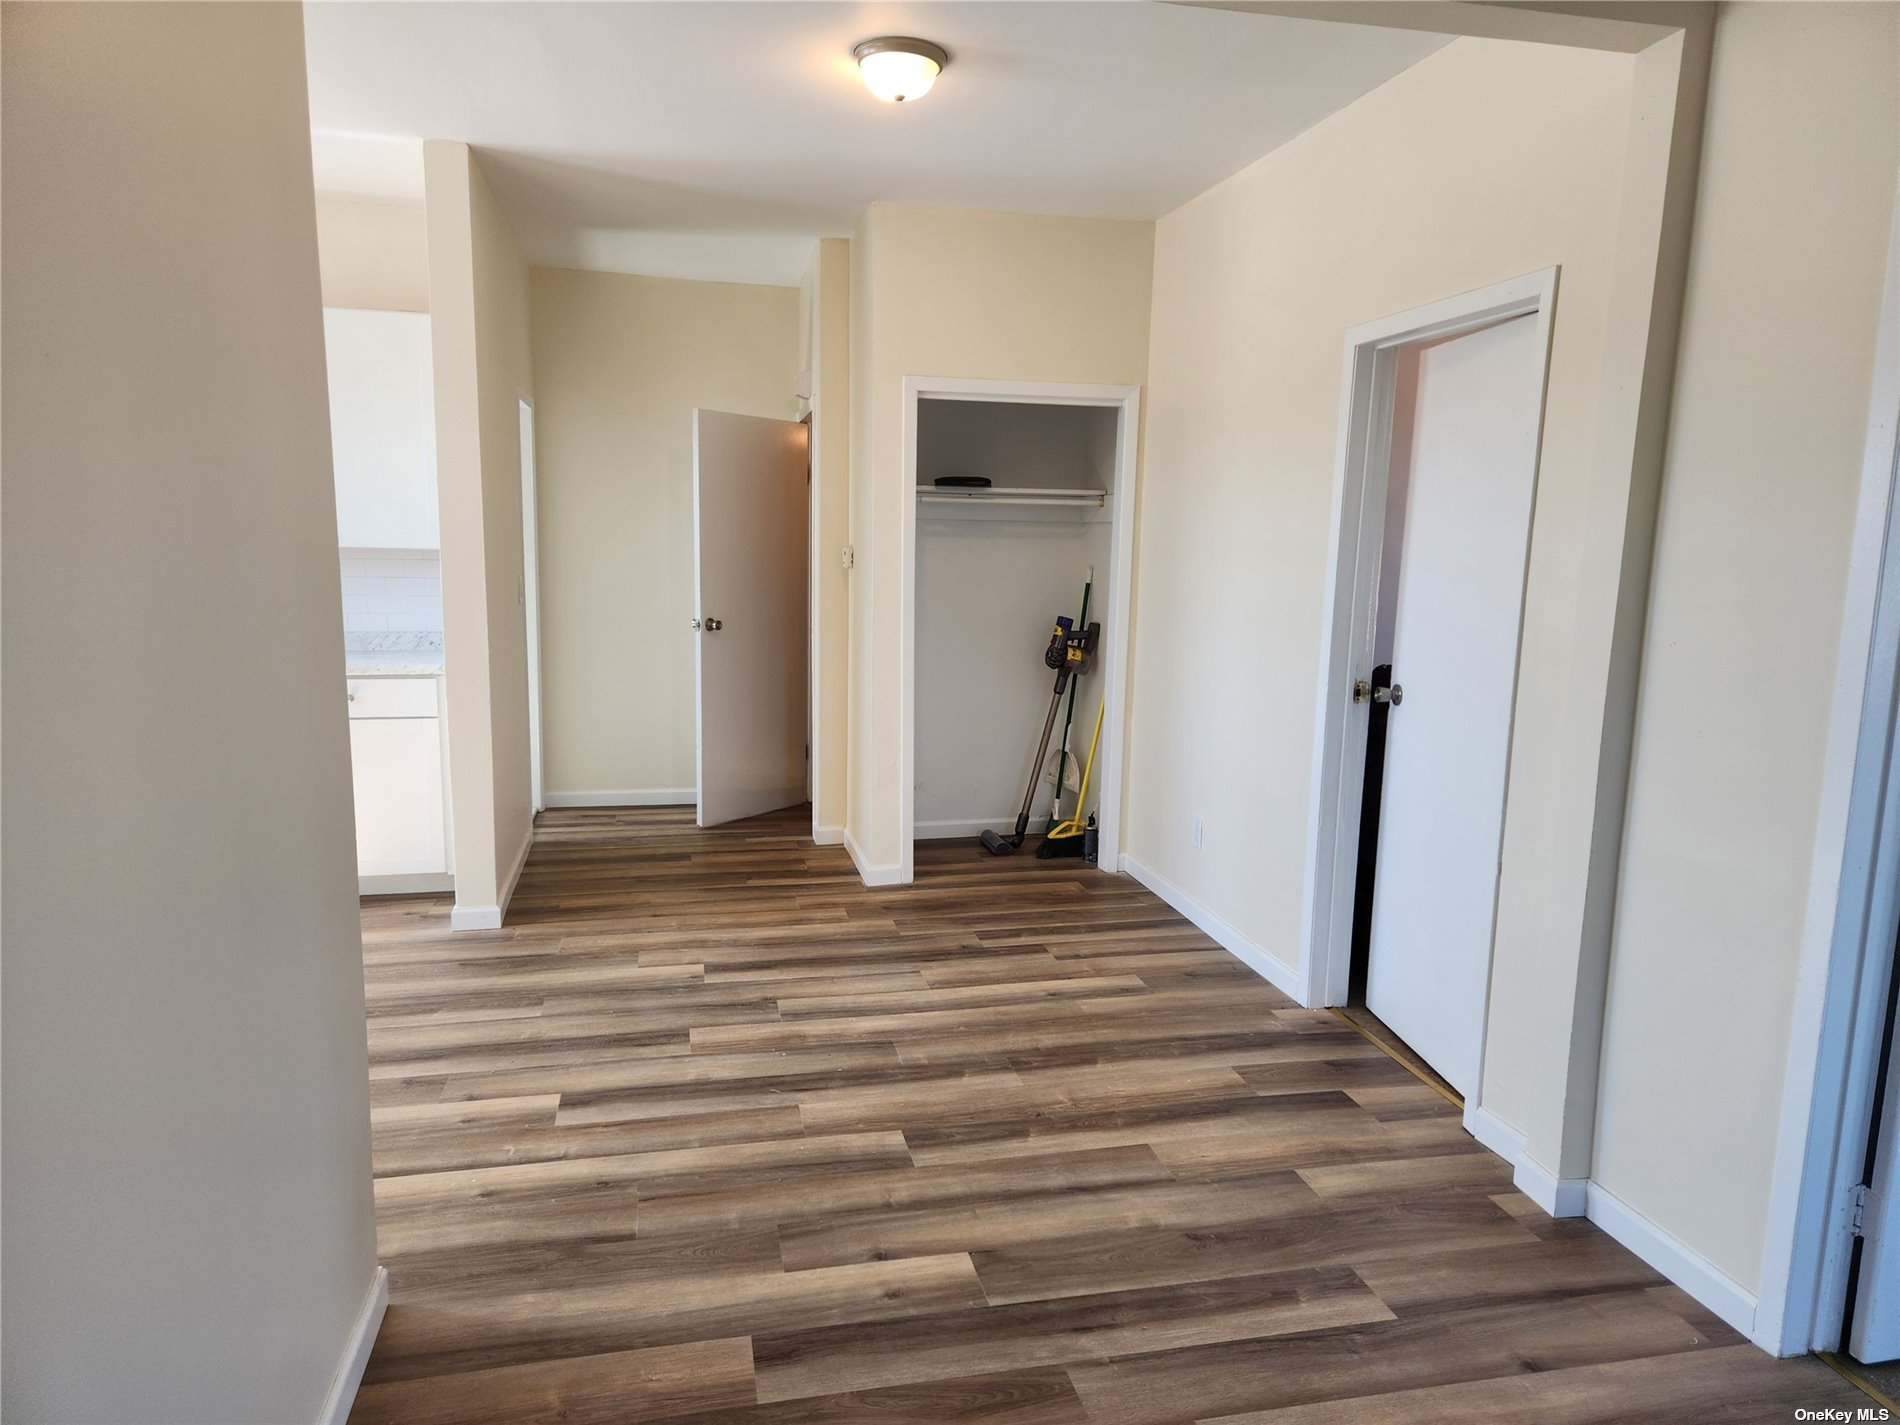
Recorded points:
963,482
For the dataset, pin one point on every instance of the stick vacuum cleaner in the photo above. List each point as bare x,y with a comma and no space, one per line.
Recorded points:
1071,654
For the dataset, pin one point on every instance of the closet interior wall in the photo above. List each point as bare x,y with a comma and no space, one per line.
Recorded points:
992,575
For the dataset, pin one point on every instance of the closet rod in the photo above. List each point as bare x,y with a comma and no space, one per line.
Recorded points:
1085,497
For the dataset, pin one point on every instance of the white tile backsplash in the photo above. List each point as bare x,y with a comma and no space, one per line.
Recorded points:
391,590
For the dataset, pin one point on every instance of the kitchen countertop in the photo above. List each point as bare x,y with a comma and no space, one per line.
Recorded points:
392,655
355,668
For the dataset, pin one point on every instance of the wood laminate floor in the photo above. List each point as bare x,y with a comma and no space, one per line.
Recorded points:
713,1133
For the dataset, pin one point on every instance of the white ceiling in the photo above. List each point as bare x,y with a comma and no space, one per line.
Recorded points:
700,139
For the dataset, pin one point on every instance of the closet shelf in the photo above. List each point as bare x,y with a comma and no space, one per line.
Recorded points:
1012,495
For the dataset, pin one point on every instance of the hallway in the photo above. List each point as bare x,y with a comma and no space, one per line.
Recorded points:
713,1131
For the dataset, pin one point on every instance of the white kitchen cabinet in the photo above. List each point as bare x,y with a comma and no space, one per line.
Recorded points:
382,428
397,766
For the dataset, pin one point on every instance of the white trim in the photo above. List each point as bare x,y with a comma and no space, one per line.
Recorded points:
699,642
1849,927
490,917
947,830
873,875
475,917
421,883
531,602
827,835
1249,952
1674,1258
1358,526
1578,1197
627,797
1494,1133
349,1371
448,781
1115,651
1560,1197
814,548
514,875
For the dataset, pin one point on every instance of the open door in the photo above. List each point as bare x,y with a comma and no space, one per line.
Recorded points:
1463,542
750,508
1873,1281
1873,1324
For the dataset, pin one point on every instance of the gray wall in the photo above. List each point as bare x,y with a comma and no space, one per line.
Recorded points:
188,1230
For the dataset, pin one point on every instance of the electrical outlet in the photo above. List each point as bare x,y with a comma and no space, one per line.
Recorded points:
1195,832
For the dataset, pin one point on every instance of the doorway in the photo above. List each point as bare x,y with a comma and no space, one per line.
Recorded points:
1834,1205
1444,414
1834,1244
1838,1164
531,604
1007,557
751,519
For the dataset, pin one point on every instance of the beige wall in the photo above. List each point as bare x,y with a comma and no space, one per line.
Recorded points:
951,292
1485,162
620,363
373,255
826,322
1504,160
1795,206
479,334
188,1231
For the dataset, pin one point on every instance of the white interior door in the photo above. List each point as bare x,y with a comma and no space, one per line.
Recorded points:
1462,505
749,533
1874,1333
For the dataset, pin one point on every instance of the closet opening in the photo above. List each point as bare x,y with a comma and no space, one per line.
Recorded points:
1018,515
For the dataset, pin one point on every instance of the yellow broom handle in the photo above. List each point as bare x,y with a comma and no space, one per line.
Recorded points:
1088,768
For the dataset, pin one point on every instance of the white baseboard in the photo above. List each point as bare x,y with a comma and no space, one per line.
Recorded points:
947,830
521,860
475,917
1675,1259
490,917
1494,1133
1560,1197
422,883
349,1371
1578,1197
629,797
828,835
870,874
1251,954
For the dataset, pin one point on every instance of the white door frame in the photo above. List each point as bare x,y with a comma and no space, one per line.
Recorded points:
1126,401
1352,600
531,602
813,625
1853,904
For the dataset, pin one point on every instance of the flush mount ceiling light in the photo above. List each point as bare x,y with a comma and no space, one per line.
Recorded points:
897,68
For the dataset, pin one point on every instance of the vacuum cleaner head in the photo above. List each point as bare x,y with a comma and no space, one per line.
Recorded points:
998,844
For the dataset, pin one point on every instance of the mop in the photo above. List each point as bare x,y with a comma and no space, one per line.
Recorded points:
1070,838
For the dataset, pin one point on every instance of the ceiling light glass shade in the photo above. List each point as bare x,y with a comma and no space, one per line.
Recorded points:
897,69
